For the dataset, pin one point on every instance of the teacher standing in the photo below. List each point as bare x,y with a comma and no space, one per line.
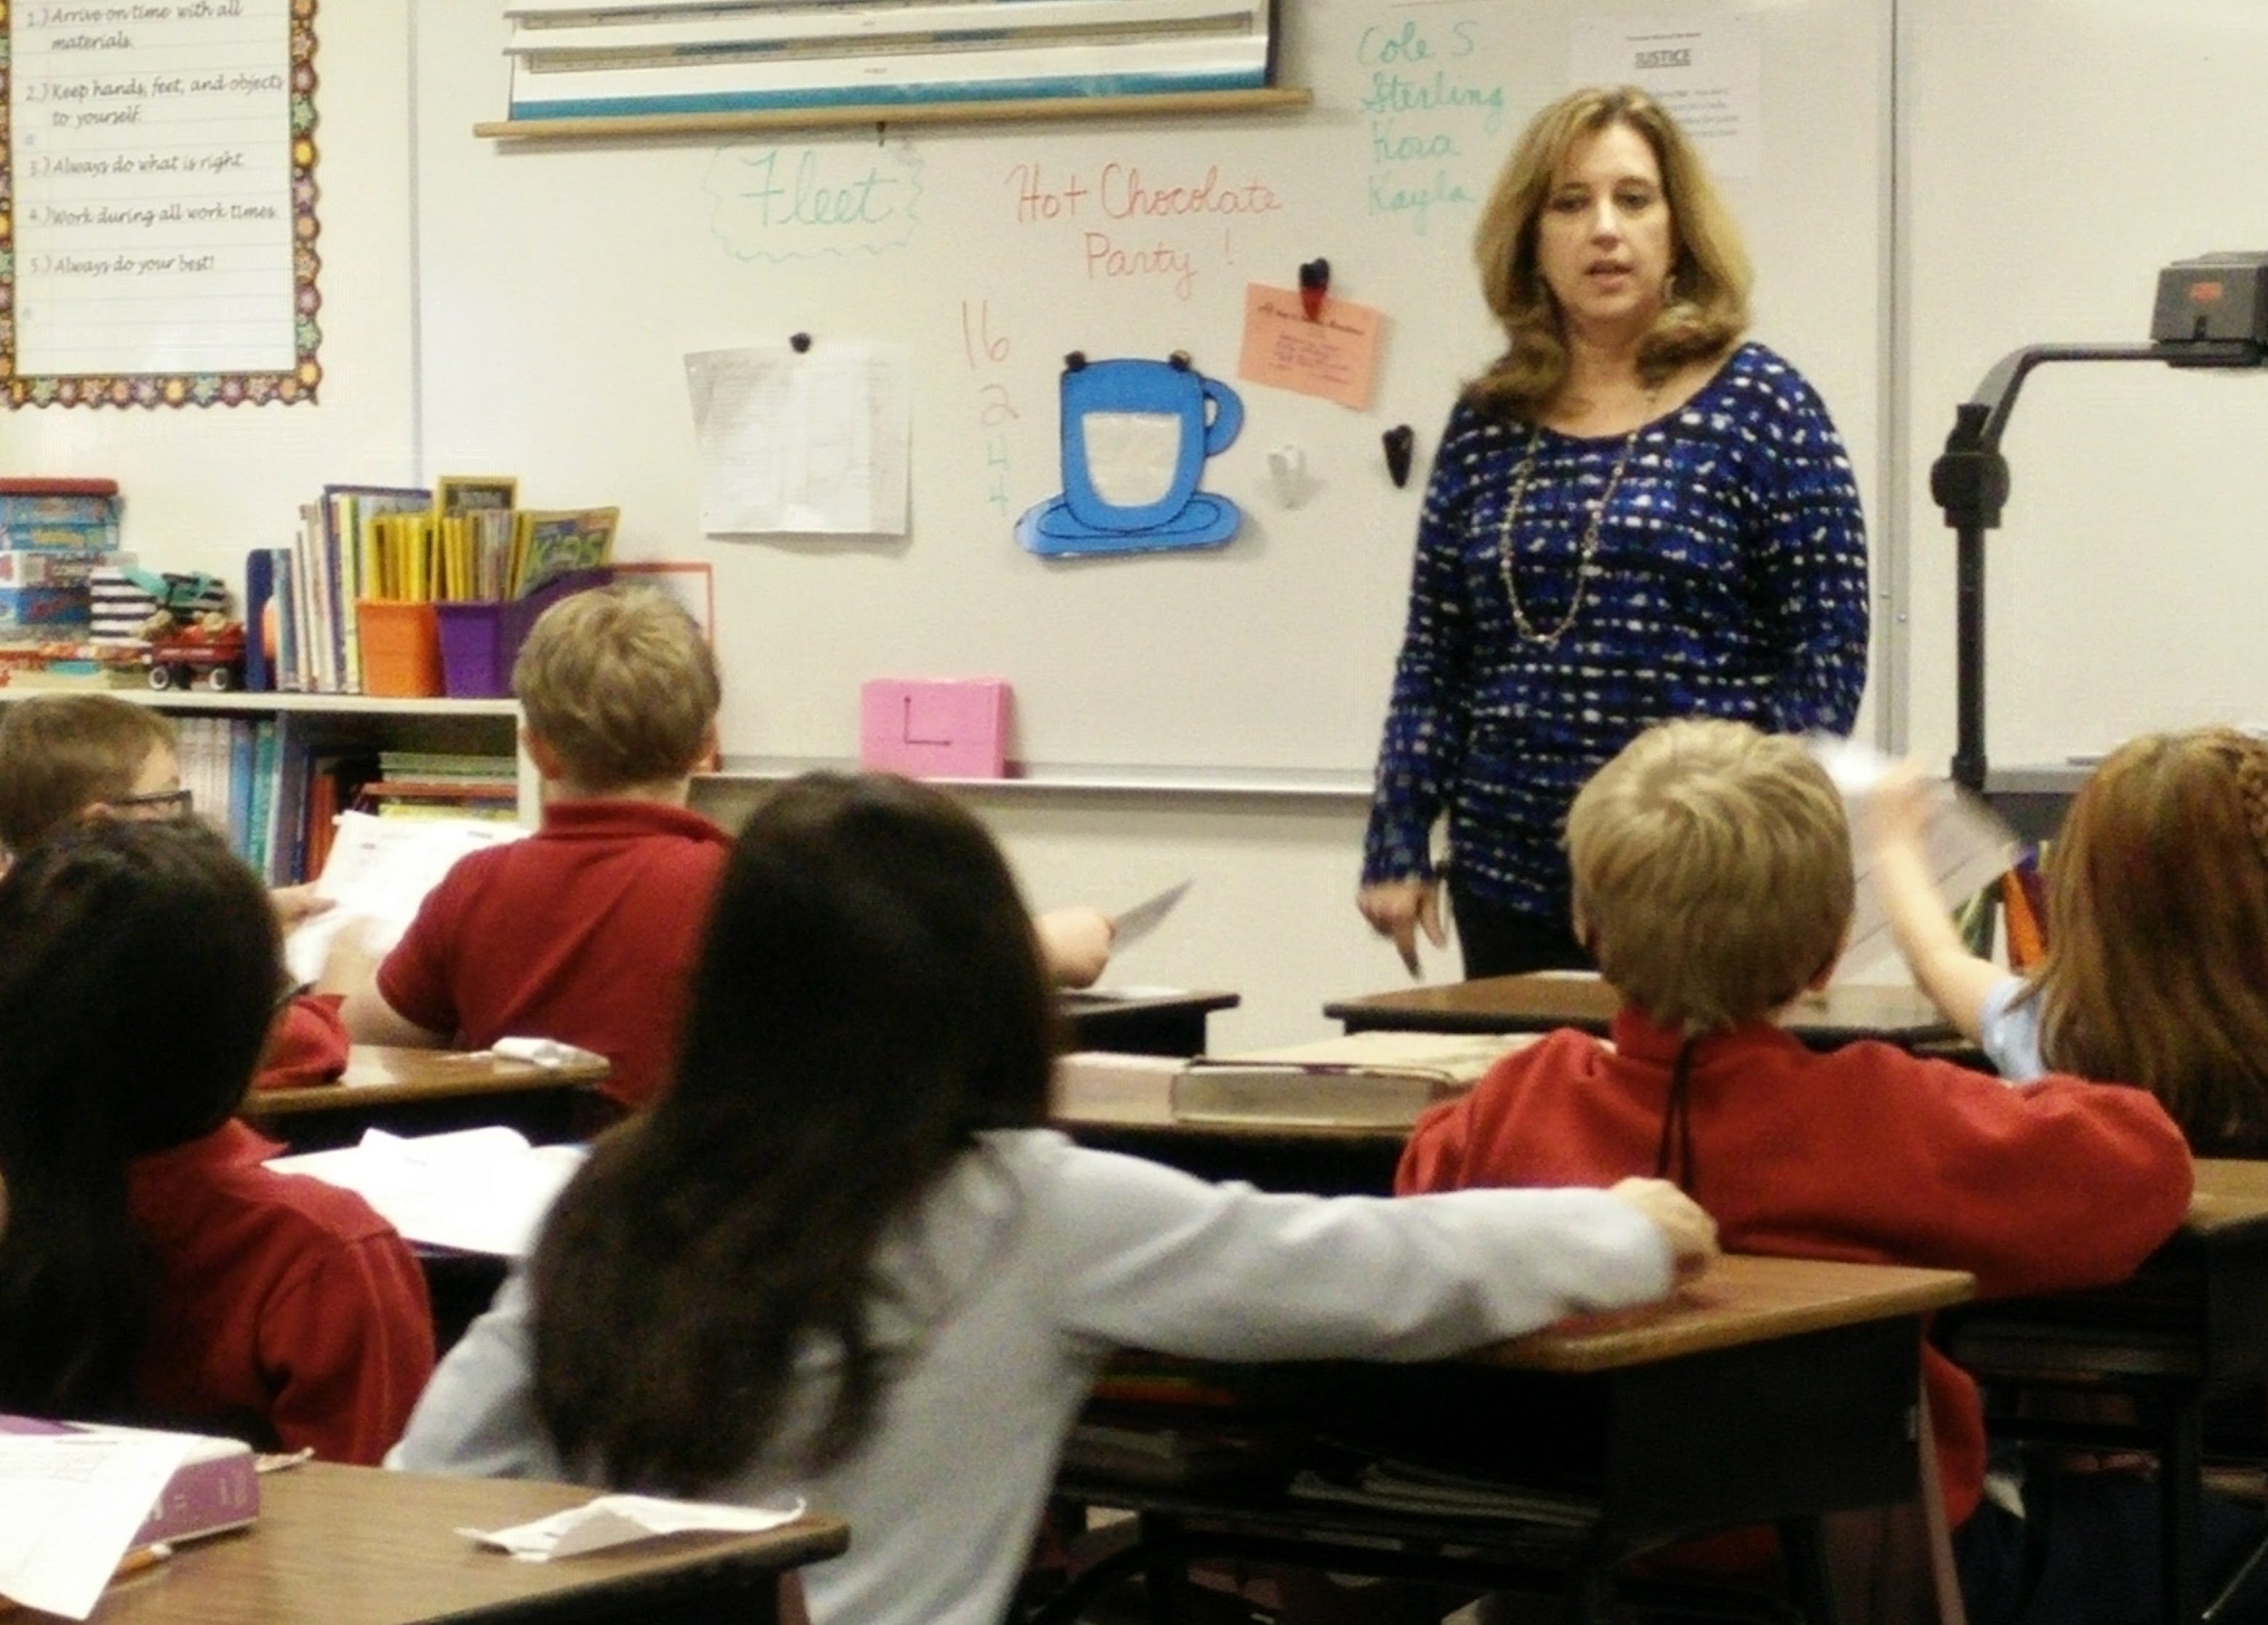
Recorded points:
1633,516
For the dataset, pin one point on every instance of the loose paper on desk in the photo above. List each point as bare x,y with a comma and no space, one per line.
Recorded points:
803,443
379,872
1965,846
478,1190
545,1052
1130,926
616,1520
70,1506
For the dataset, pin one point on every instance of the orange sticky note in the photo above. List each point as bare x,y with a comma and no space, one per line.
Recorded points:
1335,356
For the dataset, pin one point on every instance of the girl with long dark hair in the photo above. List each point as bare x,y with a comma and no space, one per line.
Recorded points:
150,1269
842,1259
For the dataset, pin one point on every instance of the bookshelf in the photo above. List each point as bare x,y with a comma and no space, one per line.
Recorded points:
328,723
276,703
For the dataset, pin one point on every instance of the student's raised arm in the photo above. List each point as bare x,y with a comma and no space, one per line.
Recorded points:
1957,981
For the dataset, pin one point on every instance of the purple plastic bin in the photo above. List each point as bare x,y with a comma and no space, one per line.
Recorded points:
480,641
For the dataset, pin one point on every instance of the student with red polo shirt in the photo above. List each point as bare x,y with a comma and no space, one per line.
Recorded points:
586,932
1712,880
68,757
152,1270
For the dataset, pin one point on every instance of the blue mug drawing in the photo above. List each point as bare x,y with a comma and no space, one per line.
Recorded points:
1135,437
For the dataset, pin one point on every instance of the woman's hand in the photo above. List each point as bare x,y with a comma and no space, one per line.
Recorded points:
1688,1229
1399,909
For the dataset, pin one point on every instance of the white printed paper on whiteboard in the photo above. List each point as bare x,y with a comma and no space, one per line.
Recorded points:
1707,73
810,443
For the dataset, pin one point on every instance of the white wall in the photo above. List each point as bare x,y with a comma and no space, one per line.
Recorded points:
2057,153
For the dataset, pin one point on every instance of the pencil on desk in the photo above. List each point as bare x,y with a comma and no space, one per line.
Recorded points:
140,1558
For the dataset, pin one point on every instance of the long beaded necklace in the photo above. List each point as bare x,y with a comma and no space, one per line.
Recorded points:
1586,551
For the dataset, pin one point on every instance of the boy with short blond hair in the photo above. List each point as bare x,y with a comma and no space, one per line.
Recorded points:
1758,868
1713,881
586,931
620,688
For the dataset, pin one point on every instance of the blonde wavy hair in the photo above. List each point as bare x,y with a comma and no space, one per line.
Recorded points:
1708,307
622,684
2156,968
1712,871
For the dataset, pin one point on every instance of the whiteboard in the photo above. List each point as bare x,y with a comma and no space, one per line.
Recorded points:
560,287
2060,154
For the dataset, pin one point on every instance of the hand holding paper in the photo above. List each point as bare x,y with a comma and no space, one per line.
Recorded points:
1918,847
379,872
1074,945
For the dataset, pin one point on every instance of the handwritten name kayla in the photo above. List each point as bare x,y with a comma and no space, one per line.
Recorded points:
1123,196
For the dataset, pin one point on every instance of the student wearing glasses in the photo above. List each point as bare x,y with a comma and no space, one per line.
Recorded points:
65,758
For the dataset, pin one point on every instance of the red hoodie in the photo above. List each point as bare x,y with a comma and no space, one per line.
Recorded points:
1866,1154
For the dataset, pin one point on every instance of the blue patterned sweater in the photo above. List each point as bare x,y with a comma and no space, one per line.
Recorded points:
1730,580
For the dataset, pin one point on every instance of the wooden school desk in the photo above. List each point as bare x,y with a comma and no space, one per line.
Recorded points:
1537,1003
431,1092
1141,1024
1134,1115
358,1546
2193,1321
1767,1391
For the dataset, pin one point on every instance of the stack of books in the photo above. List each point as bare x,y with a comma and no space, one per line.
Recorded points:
1365,1080
597,58
88,1499
1388,1485
442,785
54,534
1163,1453
358,545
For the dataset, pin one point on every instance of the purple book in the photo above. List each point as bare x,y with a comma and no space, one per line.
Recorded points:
216,1487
